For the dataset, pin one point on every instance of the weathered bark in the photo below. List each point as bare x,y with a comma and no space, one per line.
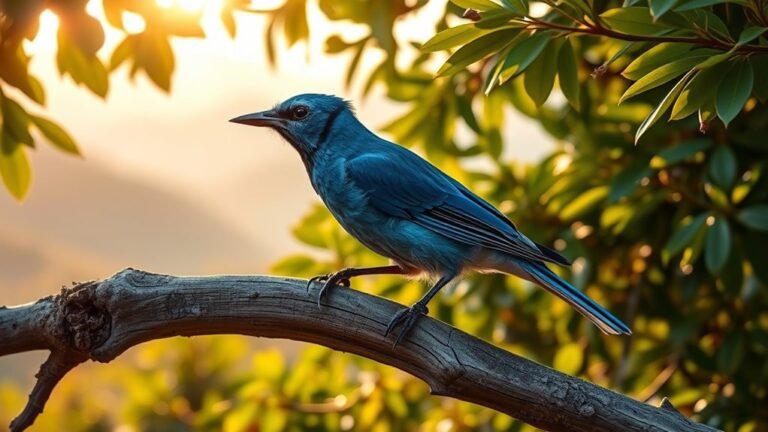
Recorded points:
100,320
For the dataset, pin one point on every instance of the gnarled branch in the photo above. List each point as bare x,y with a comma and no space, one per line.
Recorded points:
100,320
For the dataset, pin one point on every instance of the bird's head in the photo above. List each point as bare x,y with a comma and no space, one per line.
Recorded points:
304,120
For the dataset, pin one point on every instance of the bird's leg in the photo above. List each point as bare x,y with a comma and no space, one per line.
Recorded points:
409,315
343,276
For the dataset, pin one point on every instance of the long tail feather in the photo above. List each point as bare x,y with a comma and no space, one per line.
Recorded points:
585,305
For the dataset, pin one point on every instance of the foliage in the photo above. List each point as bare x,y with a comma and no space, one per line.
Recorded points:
668,233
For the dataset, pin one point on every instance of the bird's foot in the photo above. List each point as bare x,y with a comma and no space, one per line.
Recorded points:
341,278
408,318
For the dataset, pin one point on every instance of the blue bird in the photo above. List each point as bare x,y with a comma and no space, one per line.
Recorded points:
402,207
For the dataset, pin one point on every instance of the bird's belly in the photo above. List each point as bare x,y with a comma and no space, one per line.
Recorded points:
405,242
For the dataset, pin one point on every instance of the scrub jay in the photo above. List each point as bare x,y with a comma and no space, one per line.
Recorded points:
401,206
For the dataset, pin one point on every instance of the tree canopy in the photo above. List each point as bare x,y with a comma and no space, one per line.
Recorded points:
666,221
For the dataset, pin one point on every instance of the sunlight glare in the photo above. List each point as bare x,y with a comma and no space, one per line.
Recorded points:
45,40
191,5
133,23
165,4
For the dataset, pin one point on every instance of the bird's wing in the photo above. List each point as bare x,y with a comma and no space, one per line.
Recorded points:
405,186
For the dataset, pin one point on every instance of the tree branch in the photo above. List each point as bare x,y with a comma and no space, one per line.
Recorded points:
100,320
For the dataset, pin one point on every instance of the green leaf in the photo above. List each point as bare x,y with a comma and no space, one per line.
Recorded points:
749,34
760,66
734,91
476,50
722,167
699,90
655,57
754,249
568,76
627,180
660,7
584,203
15,121
464,106
522,55
540,76
718,246
755,217
56,135
633,20
680,152
480,5
662,108
695,4
684,235
731,352
14,167
520,7
454,36
661,75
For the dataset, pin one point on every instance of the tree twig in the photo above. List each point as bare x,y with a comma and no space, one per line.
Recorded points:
100,320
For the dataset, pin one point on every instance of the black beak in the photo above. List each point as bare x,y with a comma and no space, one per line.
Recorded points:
267,118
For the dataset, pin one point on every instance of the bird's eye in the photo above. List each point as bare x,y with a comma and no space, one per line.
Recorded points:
299,112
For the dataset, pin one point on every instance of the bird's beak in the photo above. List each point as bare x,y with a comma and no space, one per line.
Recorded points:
267,118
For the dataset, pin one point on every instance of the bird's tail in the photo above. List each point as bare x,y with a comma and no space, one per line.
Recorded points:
597,314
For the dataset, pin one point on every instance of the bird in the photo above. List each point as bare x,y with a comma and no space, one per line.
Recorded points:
402,207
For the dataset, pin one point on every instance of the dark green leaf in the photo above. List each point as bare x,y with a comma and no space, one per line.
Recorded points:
749,34
568,76
679,152
731,352
734,91
539,79
684,235
464,106
755,217
520,7
718,246
627,180
754,248
722,167
15,121
694,4
760,66
522,55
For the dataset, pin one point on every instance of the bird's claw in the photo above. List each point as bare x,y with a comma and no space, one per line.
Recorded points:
331,279
408,318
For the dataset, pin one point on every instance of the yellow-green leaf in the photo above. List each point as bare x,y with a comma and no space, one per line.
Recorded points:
657,56
477,49
569,358
656,114
56,135
14,167
661,75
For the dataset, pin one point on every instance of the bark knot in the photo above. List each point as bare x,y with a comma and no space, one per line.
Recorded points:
79,320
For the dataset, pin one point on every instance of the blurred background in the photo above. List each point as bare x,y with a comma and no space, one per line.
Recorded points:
164,183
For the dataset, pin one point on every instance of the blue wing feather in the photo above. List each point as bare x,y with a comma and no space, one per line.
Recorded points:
432,199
